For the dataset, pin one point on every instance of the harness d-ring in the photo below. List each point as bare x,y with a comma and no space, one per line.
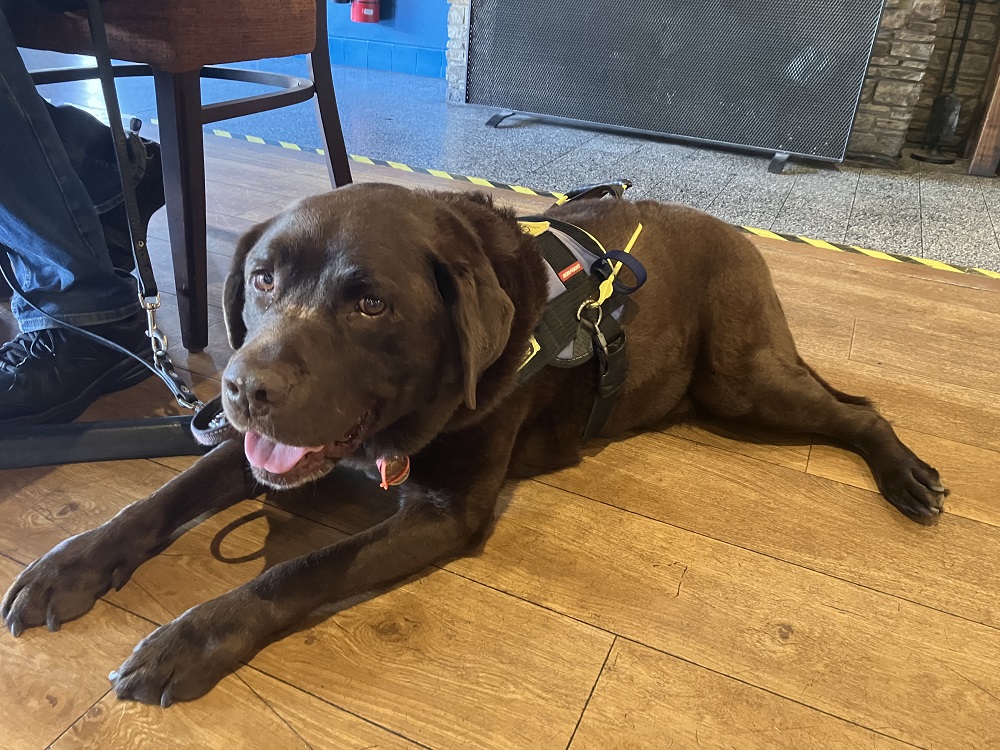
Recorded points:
590,305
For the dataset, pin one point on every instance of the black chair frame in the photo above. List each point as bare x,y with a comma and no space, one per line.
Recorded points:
181,119
181,111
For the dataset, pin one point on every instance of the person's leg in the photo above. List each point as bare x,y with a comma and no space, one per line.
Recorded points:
57,251
90,147
46,215
91,151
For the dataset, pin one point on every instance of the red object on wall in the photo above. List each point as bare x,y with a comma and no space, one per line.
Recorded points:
364,11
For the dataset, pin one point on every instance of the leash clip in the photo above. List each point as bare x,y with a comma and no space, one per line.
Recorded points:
590,305
594,325
157,337
186,397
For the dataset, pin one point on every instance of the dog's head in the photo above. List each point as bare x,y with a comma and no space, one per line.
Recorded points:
362,318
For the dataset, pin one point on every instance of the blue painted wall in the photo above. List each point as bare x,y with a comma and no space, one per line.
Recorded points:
412,41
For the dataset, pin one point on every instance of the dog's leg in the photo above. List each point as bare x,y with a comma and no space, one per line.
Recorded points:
790,397
187,657
66,582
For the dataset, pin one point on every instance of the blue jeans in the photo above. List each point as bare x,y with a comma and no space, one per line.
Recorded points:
57,171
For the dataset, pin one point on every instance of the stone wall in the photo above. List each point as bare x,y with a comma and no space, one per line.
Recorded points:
972,74
894,81
458,49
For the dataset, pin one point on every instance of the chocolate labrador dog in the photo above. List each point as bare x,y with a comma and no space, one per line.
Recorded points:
377,321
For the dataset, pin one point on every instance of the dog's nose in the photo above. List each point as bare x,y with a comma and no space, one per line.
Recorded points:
258,388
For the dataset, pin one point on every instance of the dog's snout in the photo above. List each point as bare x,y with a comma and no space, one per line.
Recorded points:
258,388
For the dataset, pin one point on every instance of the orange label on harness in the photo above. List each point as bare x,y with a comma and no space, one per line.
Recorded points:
570,271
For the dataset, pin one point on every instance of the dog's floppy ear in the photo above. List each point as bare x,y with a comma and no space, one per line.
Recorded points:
481,310
232,296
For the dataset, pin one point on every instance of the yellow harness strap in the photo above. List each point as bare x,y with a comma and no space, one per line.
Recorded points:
534,228
608,285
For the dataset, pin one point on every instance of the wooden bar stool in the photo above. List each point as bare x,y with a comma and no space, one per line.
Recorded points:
179,42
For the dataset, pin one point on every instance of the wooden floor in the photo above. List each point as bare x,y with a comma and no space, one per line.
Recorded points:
684,588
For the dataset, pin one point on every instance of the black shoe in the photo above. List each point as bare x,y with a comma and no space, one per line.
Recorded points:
54,374
149,197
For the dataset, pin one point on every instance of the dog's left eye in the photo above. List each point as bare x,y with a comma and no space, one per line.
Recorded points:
263,281
371,306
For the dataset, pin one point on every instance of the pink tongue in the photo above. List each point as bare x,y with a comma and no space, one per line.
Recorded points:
276,458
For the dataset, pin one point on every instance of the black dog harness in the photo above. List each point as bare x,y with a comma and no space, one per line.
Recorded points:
585,302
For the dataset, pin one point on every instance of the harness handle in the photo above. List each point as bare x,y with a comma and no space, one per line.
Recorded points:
621,257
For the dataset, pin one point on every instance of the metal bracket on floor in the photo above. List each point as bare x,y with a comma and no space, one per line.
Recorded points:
778,162
494,122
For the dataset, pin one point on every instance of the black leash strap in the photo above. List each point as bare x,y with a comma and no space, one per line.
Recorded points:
612,364
144,267
149,296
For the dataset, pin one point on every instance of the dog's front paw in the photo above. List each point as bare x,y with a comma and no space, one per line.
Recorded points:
184,659
914,488
65,583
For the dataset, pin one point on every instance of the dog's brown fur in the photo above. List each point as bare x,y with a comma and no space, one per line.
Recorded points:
434,377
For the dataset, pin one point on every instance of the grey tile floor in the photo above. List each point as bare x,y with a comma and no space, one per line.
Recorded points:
934,212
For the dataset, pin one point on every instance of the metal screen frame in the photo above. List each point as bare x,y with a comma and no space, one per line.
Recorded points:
586,63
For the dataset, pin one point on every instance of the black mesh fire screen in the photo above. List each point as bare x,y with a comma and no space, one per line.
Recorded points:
779,76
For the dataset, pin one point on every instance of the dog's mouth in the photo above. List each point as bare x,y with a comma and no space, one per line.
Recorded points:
282,465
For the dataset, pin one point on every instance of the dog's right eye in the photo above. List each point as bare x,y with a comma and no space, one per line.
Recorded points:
371,306
263,281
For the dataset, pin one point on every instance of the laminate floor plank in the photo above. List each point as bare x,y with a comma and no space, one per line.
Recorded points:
805,520
647,699
865,657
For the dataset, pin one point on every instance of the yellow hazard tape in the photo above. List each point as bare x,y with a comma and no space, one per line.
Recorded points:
763,233
875,254
936,264
822,243
561,198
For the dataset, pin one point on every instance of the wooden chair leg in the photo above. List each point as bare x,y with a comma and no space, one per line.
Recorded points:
178,105
338,164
